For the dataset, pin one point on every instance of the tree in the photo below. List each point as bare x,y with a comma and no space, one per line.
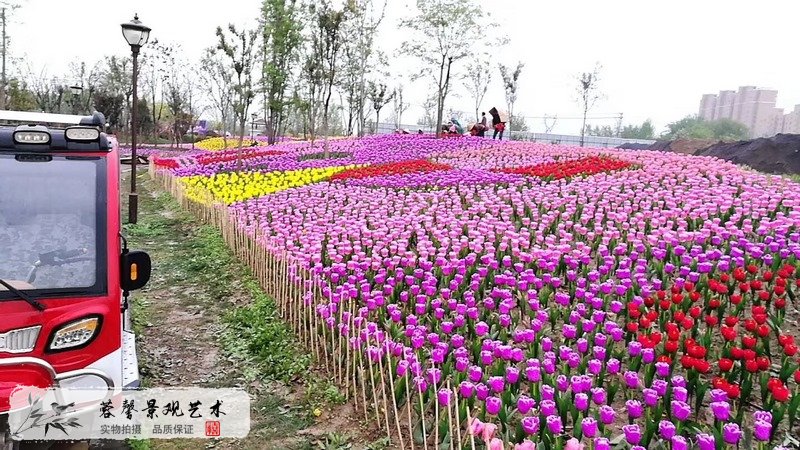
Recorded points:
359,57
438,26
400,106
6,8
114,83
380,96
510,86
519,125
549,123
477,80
238,47
158,64
218,78
693,127
326,49
429,107
19,98
604,131
281,37
643,131
588,94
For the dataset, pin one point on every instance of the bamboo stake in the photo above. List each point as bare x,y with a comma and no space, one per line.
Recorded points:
394,400
469,430
422,417
458,417
450,416
383,393
408,410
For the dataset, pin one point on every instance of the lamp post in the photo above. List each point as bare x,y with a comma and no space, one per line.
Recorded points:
76,92
253,116
136,34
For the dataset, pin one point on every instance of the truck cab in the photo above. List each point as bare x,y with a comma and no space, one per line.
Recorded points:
65,268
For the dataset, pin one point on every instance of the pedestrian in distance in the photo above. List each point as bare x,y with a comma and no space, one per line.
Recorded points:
497,123
484,125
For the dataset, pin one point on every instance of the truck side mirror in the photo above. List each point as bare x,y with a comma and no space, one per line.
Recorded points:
134,270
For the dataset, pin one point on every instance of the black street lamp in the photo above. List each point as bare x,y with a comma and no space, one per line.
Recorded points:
136,34
76,92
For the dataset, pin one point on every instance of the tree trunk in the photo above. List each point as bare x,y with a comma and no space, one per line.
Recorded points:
440,100
583,127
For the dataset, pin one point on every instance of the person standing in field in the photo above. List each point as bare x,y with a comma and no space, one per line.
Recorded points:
484,125
497,123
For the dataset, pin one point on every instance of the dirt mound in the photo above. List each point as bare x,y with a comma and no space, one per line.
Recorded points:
779,154
684,146
633,146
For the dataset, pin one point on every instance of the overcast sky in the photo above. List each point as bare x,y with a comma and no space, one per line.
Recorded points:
657,57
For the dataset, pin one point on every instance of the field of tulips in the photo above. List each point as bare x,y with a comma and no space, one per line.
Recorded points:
467,293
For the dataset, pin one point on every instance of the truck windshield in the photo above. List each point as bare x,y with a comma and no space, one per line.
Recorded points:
52,225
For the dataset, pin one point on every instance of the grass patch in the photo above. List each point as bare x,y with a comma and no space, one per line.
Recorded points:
257,334
321,155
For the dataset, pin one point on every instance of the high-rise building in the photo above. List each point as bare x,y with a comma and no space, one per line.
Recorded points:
754,108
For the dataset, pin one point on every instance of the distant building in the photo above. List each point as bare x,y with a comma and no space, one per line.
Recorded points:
754,108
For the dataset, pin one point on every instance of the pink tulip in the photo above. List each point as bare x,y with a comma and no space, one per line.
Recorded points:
496,444
489,429
525,445
573,444
475,427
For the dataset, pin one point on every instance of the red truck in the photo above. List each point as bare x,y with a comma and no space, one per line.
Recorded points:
65,267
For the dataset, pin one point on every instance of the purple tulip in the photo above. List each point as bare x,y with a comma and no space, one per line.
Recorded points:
548,407
602,443
475,374
481,329
613,366
493,405
731,433
444,396
762,430
766,416
633,434
582,401
599,396
680,394
650,397
466,389
496,384
607,414
512,374
679,443
718,395
666,429
589,427
525,404
662,369
660,386
530,424
481,391
631,379
681,410
706,441
635,409
548,392
554,425
722,410
533,374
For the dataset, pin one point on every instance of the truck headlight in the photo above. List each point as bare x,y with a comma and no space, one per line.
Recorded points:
75,334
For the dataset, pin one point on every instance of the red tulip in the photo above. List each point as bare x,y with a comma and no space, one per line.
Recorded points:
739,274
702,366
731,321
763,295
780,303
714,303
736,299
750,325
779,290
780,394
763,330
751,366
729,333
748,354
737,353
797,376
697,351
695,296
695,311
744,287
724,278
689,286
687,323
785,339
711,321
763,362
767,276
790,350
671,346
756,285
749,341
752,269
733,390
725,364
687,362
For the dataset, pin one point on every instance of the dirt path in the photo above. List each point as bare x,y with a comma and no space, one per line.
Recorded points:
185,337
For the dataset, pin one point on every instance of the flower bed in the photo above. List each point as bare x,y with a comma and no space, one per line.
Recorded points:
649,308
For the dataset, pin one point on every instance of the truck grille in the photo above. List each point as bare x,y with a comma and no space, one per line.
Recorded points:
19,341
